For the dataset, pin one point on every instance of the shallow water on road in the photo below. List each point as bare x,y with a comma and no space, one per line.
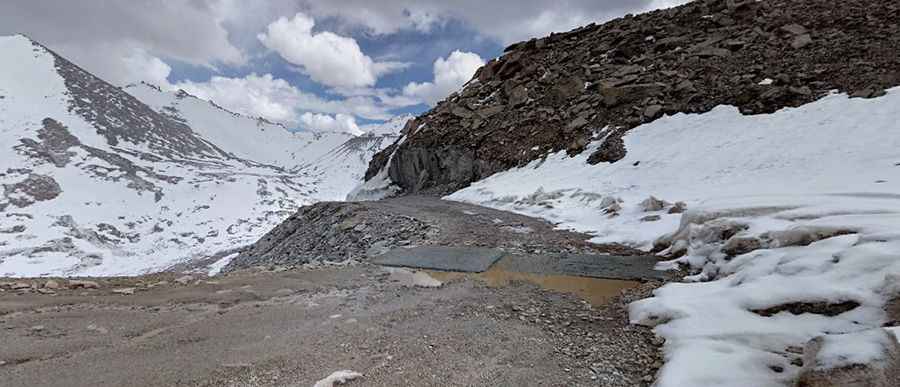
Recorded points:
597,291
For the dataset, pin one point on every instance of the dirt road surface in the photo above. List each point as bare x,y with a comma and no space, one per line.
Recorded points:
292,328
270,326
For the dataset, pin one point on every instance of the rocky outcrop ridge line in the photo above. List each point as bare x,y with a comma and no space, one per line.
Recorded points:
594,83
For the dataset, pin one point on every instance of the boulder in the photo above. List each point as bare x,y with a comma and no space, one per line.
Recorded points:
821,368
741,245
518,96
611,150
461,112
84,284
801,41
652,111
652,204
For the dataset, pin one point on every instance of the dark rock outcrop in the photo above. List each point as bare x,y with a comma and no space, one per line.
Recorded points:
558,92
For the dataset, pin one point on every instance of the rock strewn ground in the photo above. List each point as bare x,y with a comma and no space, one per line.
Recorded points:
338,231
294,327
562,91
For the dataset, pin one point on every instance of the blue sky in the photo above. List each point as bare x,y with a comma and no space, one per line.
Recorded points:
311,64
418,49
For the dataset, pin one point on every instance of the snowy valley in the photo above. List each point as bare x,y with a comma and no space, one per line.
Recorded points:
99,180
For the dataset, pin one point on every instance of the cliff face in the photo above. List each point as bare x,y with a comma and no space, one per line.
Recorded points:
598,81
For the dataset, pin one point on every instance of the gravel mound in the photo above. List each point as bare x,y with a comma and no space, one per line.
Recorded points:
333,232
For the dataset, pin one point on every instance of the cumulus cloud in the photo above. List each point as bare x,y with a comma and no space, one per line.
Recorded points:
254,95
504,20
150,68
128,41
327,123
328,58
100,35
449,75
277,100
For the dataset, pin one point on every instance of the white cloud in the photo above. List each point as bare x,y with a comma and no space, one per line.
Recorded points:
277,100
146,67
504,20
253,95
117,40
449,75
328,58
327,123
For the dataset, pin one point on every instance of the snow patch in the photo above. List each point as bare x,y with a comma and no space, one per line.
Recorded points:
338,377
216,267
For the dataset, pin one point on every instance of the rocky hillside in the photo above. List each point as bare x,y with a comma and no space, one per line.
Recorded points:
566,90
101,180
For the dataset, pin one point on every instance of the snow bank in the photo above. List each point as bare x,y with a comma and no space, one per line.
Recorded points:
792,212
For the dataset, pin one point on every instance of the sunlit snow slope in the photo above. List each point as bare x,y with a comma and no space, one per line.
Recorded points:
799,207
98,182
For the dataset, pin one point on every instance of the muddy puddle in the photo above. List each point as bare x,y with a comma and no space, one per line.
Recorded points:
594,290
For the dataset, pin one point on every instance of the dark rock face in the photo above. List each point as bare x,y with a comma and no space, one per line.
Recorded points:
118,116
35,188
437,170
55,143
547,94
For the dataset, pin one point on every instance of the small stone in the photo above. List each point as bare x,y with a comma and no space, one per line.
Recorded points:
794,29
714,51
461,112
184,280
678,208
652,204
51,284
37,328
83,284
518,96
124,291
741,245
577,123
98,329
800,90
868,92
801,41
652,111
651,218
20,285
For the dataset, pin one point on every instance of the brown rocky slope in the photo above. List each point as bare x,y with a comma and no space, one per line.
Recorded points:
594,83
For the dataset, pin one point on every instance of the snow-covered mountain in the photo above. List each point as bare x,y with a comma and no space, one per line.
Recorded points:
100,180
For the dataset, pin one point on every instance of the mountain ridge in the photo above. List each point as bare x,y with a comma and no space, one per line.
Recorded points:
102,180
